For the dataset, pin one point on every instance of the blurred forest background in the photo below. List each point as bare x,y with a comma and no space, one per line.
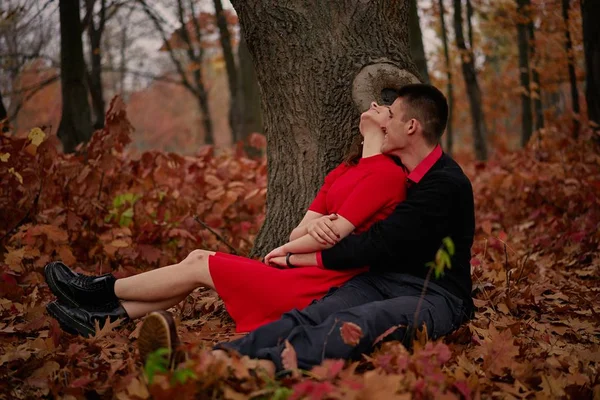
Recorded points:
187,78
147,190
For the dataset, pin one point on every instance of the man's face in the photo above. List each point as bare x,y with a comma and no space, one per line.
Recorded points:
397,129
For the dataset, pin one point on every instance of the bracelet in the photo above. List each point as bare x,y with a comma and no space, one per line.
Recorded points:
287,260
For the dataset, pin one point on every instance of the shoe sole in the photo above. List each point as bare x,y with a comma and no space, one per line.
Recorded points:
158,331
67,323
55,288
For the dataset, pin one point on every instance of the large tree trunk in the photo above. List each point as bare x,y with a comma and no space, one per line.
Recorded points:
572,77
449,85
473,90
417,50
232,73
314,60
590,9
523,45
75,123
250,92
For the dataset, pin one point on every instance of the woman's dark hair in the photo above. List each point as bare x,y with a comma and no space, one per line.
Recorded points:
354,153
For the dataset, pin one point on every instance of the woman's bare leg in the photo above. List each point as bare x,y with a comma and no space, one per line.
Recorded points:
167,282
137,309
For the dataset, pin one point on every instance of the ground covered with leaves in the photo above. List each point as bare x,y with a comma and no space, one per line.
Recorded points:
536,269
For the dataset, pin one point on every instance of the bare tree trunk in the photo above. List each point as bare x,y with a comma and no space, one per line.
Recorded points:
572,77
312,59
470,24
75,123
449,85
590,9
250,92
417,50
536,90
473,90
95,76
523,45
235,118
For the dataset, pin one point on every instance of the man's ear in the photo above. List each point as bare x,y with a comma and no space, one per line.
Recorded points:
412,126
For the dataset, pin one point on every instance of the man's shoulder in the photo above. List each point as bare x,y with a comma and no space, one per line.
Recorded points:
448,171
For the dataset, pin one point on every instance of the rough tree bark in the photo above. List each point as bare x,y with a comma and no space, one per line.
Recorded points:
94,32
523,45
572,77
590,9
75,123
318,63
449,85
473,90
417,50
232,73
250,92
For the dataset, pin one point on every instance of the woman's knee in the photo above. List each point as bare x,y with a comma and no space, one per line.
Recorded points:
199,255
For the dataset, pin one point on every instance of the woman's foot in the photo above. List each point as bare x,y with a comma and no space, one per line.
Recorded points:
81,291
82,321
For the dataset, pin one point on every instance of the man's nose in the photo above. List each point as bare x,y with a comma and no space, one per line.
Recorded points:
374,104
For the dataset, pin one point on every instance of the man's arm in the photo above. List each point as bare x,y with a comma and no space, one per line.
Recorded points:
423,215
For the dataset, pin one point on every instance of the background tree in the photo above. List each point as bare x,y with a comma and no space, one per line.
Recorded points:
449,83
571,64
235,110
472,85
94,32
314,82
524,70
25,35
591,42
190,36
75,123
417,50
536,89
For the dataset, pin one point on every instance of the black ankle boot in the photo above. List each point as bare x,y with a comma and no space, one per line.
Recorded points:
81,291
81,321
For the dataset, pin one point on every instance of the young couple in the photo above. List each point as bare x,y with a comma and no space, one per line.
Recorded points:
359,255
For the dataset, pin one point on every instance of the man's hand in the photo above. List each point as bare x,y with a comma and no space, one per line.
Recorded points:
323,230
278,252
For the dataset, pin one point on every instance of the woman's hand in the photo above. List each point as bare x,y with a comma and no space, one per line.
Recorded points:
278,252
278,262
323,230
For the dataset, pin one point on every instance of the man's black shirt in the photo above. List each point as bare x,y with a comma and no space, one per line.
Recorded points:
440,205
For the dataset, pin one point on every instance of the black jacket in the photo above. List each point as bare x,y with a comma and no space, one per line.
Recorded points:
439,206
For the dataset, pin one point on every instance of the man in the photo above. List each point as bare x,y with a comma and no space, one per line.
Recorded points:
439,204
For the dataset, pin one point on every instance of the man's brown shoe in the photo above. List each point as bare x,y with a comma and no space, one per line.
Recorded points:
158,331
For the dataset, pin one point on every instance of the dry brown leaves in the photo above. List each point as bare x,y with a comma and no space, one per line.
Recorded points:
536,268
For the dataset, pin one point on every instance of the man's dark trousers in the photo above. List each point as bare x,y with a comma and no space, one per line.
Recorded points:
375,302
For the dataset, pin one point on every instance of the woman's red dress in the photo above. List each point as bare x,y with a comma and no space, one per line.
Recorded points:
255,294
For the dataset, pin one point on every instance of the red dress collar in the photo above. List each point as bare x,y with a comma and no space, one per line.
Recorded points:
425,165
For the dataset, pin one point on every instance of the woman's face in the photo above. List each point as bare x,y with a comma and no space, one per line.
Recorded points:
374,118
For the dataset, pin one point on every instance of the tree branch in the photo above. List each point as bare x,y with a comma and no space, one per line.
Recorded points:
163,35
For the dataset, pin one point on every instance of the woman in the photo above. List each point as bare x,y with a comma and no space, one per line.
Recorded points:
363,189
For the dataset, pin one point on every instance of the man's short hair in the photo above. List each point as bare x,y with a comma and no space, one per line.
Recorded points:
428,105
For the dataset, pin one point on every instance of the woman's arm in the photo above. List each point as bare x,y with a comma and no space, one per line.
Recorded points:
307,244
300,230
